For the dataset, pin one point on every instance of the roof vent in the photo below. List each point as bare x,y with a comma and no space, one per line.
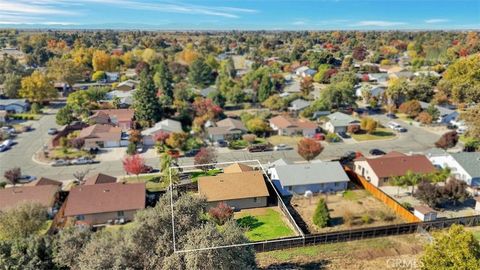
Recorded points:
106,190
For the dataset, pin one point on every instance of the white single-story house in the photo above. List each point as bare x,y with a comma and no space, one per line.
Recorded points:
14,105
226,129
464,166
339,122
287,126
164,126
316,177
446,115
299,105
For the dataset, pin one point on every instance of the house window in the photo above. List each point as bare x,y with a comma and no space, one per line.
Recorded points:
337,184
120,214
254,199
80,217
289,188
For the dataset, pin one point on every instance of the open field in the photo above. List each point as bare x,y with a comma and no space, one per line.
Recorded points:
378,134
354,209
264,223
378,253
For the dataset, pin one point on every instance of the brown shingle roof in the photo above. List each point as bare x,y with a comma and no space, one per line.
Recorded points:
398,165
288,122
101,132
100,178
237,168
121,115
45,195
44,181
113,197
231,123
232,186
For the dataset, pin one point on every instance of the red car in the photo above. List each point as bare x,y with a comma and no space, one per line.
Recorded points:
319,137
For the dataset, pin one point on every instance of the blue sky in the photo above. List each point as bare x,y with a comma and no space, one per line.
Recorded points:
242,15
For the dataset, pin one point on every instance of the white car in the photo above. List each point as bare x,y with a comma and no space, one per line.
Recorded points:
393,125
7,143
462,130
81,161
282,146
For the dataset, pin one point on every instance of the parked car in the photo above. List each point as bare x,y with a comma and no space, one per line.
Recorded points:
8,143
141,148
147,169
3,148
319,136
348,157
82,161
8,129
376,152
343,135
393,125
192,153
282,146
461,130
220,143
391,116
400,129
60,162
258,148
52,131
26,179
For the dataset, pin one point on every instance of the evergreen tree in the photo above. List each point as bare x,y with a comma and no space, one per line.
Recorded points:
145,101
200,73
265,88
321,215
163,79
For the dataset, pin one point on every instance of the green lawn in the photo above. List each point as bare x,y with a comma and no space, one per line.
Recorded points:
26,116
126,226
212,172
152,181
46,226
379,134
264,226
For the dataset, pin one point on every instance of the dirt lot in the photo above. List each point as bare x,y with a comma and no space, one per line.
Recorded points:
353,209
394,252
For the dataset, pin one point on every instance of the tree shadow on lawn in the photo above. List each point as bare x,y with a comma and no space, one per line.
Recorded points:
381,133
249,222
467,204
321,264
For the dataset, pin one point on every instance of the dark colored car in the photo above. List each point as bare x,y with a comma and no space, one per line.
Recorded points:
391,116
376,152
343,134
221,143
258,148
147,169
348,157
192,153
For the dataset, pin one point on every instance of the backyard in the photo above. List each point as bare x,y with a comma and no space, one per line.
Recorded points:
352,209
264,223
378,134
372,254
153,181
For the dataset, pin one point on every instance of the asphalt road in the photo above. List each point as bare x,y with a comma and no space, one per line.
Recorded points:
415,140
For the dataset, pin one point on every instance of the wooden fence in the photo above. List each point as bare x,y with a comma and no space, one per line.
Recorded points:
382,196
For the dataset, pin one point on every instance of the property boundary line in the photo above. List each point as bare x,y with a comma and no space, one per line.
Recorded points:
280,203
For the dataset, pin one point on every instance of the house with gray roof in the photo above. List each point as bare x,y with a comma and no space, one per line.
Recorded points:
165,126
464,166
206,91
446,115
316,177
226,129
14,105
299,105
339,122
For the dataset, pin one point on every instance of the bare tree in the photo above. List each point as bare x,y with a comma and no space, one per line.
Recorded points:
80,175
13,175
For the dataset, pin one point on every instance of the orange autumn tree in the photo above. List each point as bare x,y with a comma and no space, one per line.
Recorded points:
309,148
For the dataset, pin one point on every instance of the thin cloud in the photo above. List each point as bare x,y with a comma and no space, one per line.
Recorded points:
379,23
299,23
431,21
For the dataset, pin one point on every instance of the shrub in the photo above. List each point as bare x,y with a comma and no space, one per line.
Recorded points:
250,138
424,118
332,137
411,108
321,217
407,205
353,129
131,148
35,108
366,219
348,218
221,213
308,149
448,140
238,144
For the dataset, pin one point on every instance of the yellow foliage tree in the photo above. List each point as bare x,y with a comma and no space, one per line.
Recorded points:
101,61
37,88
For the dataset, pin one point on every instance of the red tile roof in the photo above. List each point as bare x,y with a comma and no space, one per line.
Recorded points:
104,198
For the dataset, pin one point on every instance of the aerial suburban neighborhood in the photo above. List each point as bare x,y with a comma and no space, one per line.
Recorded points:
239,135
